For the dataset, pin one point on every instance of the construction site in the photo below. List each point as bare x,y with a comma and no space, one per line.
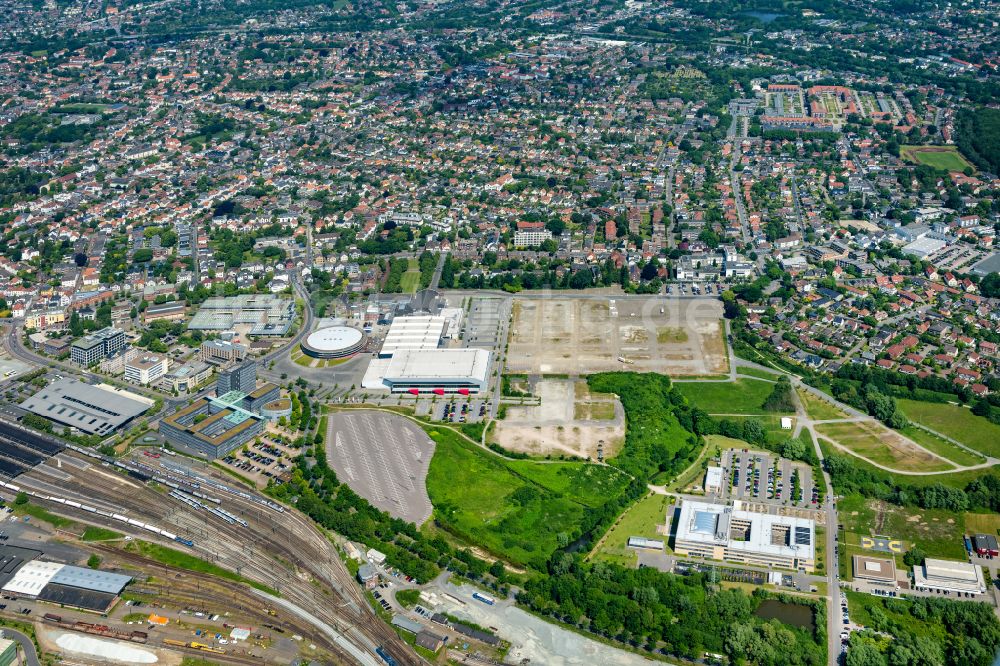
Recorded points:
589,334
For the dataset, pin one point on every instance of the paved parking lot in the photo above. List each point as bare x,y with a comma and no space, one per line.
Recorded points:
482,323
762,477
384,458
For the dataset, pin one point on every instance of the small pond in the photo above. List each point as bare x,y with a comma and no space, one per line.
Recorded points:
763,17
795,615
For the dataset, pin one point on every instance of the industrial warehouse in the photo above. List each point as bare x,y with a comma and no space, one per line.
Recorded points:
724,532
412,360
948,576
88,589
93,410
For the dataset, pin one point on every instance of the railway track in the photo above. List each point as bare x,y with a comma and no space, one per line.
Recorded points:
275,549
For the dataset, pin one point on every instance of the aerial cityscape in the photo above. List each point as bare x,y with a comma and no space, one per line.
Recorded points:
554,333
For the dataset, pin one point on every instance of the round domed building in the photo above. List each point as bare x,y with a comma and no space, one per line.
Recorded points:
334,342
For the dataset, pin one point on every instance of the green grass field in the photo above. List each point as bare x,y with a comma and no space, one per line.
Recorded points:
819,410
939,157
942,447
772,426
38,513
882,446
956,422
938,532
581,482
641,519
519,510
181,560
744,396
410,281
100,534
756,372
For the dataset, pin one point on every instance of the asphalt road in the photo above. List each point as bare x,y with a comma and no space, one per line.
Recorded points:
30,656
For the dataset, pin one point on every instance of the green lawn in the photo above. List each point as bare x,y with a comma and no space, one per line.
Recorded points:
641,519
93,533
817,409
882,446
939,157
757,372
956,422
410,281
519,510
744,396
942,447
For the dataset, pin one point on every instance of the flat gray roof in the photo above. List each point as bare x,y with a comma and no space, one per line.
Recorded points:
91,579
88,408
990,264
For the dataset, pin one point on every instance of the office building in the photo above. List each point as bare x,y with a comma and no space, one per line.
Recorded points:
220,351
728,533
211,427
875,569
97,346
146,369
241,377
265,314
713,480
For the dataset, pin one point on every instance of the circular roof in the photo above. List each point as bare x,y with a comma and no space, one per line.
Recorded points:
334,338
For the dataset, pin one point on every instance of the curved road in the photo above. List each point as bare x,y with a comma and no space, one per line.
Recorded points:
30,656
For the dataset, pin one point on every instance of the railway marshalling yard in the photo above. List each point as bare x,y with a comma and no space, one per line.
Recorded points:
279,551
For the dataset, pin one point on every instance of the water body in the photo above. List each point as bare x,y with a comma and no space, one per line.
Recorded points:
795,615
763,17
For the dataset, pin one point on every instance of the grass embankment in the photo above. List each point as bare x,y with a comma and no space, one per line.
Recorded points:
744,396
956,422
38,513
181,560
759,373
93,533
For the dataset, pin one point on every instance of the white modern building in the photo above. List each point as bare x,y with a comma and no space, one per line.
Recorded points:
413,333
726,532
713,480
948,576
147,369
441,371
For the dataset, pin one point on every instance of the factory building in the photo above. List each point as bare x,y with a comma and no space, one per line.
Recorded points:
66,585
441,371
724,532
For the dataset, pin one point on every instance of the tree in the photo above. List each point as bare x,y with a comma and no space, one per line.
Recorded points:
914,557
94,561
21,499
780,398
75,324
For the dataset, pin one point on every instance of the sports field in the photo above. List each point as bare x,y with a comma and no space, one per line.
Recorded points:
410,281
956,422
939,157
